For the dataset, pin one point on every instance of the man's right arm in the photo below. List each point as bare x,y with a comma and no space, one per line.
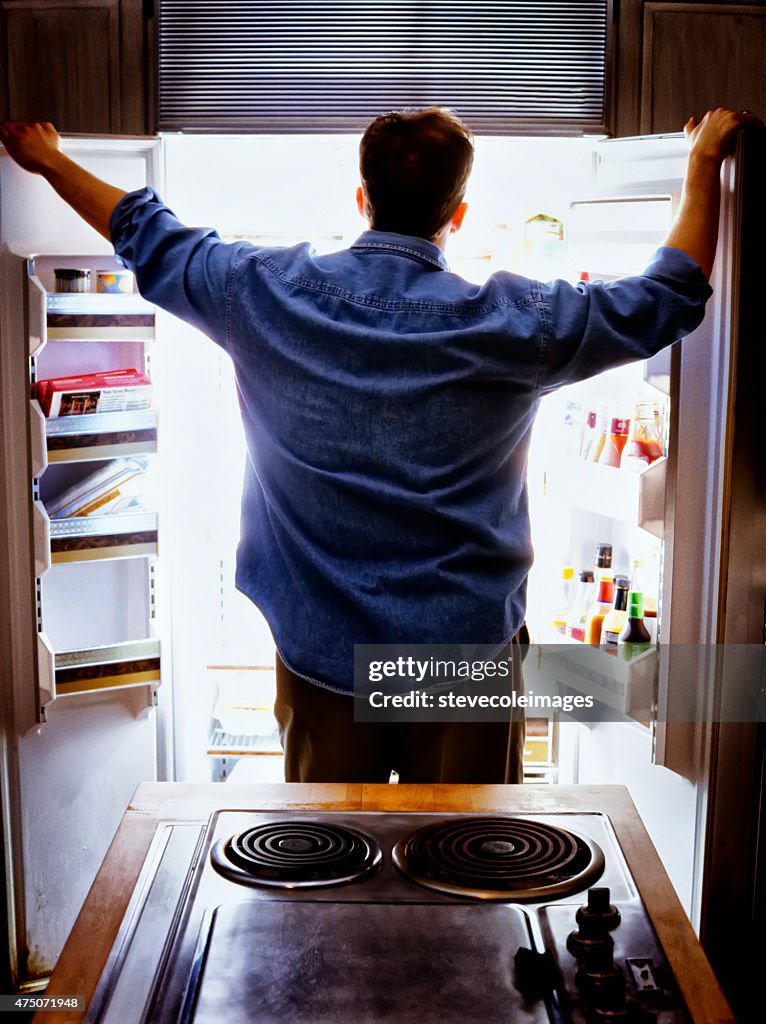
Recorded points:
186,271
37,148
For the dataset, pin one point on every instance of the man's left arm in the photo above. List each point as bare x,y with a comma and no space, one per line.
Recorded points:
592,327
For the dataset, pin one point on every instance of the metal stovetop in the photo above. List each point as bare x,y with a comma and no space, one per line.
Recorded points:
196,947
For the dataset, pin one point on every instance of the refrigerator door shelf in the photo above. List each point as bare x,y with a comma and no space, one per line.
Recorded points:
86,317
78,304
46,670
41,528
37,318
657,370
116,666
106,435
89,538
38,439
651,498
619,688
628,497
110,324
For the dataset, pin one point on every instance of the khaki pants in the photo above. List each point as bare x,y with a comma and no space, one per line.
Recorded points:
323,743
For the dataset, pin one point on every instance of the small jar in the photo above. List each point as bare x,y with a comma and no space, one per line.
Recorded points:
69,280
114,282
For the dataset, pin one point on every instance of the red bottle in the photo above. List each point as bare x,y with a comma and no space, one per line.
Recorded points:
611,453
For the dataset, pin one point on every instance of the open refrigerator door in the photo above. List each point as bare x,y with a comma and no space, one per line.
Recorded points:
79,610
659,520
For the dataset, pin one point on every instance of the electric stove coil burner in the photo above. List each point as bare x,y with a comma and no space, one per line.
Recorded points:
507,859
296,855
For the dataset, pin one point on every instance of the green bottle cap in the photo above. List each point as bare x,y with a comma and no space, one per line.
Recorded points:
635,604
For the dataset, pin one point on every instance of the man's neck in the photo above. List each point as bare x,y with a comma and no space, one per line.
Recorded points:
439,240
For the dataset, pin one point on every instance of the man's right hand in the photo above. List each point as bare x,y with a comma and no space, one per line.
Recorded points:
35,146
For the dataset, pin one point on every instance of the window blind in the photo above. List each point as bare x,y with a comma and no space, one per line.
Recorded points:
332,65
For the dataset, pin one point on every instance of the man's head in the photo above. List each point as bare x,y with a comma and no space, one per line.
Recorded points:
414,168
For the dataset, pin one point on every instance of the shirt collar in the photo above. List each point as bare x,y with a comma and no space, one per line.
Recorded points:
406,245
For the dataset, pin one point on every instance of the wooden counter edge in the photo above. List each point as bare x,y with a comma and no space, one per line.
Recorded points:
88,945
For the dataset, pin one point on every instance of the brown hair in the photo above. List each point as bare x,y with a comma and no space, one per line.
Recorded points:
414,167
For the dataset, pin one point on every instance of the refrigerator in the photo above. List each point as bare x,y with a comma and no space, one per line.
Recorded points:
124,641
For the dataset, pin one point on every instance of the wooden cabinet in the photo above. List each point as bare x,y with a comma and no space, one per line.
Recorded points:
701,56
679,59
80,64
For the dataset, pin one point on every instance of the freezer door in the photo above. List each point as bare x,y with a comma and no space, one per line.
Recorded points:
66,782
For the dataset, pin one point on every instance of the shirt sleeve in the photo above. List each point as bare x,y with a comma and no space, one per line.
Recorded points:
592,327
187,271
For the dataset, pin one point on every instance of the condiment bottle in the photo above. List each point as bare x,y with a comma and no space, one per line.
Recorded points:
590,437
634,635
643,446
600,608
615,619
603,559
615,441
565,600
579,613
602,426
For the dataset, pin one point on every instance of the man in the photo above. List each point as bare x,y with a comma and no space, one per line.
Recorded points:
388,406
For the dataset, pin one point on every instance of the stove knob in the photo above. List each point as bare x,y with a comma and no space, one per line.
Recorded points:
591,939
598,908
625,1013
535,973
609,1014
601,981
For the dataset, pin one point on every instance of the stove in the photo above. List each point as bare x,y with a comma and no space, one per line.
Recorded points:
407,918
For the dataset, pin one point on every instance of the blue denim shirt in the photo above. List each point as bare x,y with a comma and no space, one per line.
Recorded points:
388,405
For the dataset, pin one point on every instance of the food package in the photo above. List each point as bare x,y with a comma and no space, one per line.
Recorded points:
109,391
115,487
114,282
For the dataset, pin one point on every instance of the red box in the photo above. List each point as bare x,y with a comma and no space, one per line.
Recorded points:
108,391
